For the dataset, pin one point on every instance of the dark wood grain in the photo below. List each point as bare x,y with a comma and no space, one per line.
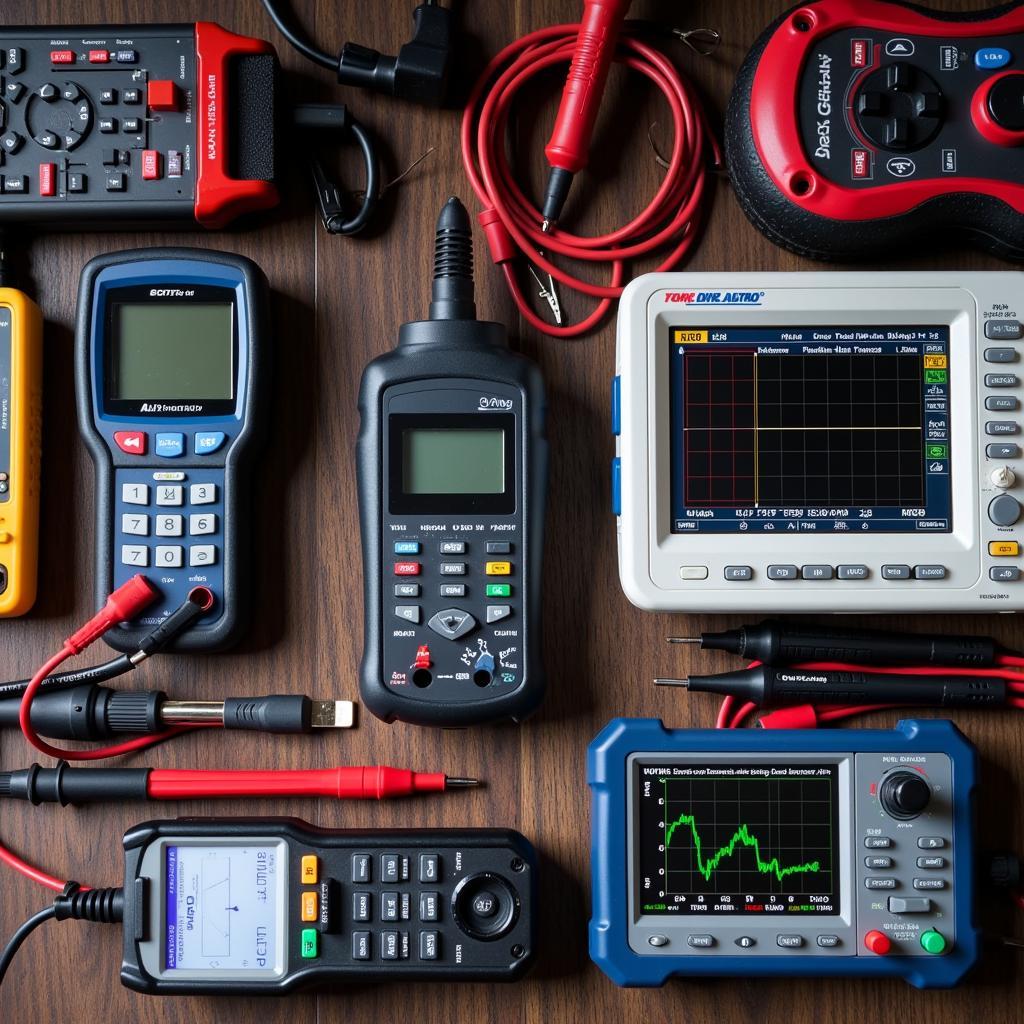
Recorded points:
338,303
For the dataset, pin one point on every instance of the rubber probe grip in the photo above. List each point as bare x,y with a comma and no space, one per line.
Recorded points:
569,145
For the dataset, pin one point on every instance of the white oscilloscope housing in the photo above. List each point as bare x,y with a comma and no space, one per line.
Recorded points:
790,559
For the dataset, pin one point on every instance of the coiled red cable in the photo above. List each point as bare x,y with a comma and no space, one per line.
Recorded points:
511,221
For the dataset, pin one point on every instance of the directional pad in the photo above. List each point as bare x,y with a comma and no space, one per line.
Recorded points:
452,623
899,107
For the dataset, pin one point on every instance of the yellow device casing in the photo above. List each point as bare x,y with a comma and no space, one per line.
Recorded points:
21,400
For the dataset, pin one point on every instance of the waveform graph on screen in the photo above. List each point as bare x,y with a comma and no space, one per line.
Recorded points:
749,843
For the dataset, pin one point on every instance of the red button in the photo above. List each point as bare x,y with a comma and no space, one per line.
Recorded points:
62,56
877,942
133,442
99,56
422,657
150,164
860,163
407,568
47,179
859,49
163,95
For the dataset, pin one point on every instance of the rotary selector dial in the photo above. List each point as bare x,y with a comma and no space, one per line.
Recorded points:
904,795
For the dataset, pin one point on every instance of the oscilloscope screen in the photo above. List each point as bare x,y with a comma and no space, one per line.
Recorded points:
737,839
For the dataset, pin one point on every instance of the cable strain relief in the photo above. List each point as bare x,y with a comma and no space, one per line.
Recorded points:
800,716
499,240
363,66
102,906
134,711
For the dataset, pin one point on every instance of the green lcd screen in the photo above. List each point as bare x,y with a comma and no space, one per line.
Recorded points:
453,461
172,351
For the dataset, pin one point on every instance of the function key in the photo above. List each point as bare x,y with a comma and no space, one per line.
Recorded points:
361,868
174,163
931,842
70,92
879,883
1004,573
497,612
132,442
499,547
360,945
163,95
77,181
428,945
15,59
932,863
206,442
930,572
702,941
877,842
107,125
310,939
782,572
498,590
11,142
407,590
816,572
407,547
790,941
453,589
47,179
16,183
1001,380
498,568
47,91
738,573
150,161
989,58
170,445
430,906
430,867
115,182
1002,330
47,140
853,572
309,869
390,946
107,97
453,547
929,883
62,56
131,126
408,612
878,863
126,56
1002,403
746,942
407,568
999,355
828,941
453,568
389,905
15,91
1004,548
309,909
895,572
361,906
390,867
130,97
99,56
1003,450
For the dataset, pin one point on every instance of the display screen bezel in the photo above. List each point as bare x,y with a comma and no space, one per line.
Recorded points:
166,293
488,503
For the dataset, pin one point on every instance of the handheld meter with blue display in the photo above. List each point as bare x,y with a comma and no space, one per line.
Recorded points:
171,373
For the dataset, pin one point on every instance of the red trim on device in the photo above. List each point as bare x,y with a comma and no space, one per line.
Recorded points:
219,197
982,116
773,110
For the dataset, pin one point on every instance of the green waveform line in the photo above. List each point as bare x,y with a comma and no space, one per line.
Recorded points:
770,867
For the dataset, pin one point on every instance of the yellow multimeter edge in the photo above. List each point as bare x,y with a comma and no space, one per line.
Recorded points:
19,514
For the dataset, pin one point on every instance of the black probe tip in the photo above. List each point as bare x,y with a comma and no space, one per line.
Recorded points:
451,296
455,782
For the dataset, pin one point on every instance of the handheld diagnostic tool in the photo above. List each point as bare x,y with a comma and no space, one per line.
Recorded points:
452,482
858,127
847,440
230,906
138,123
741,852
172,379
21,399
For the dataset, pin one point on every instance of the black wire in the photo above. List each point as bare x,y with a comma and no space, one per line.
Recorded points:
300,40
68,680
23,932
372,188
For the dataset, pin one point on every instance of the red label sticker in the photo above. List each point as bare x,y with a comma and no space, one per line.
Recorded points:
860,163
859,50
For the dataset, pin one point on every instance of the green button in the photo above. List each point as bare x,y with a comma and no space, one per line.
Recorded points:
933,942
499,589
936,376
309,943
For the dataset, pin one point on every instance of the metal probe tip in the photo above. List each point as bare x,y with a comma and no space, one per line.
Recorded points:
453,782
684,683
546,225
683,639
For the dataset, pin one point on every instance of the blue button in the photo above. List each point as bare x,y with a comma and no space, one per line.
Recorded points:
170,446
616,486
208,441
407,547
992,57
616,404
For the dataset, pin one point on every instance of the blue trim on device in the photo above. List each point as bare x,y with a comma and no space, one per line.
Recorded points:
616,486
608,781
616,405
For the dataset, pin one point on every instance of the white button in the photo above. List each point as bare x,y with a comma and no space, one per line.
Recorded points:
202,494
169,494
135,494
134,554
205,522
693,572
135,524
168,557
202,554
169,526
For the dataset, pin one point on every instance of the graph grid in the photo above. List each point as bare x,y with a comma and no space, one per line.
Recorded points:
798,430
744,836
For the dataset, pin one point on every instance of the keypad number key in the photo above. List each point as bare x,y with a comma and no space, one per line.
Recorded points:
200,555
169,526
202,494
169,556
169,494
203,523
135,524
135,494
135,555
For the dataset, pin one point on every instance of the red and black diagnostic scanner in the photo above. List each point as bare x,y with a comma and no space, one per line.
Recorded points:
146,124
857,125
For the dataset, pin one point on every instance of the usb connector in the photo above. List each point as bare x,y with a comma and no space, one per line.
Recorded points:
332,714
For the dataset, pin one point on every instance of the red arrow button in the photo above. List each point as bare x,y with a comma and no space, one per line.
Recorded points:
132,442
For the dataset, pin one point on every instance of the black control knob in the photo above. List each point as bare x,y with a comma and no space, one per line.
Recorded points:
485,906
899,107
904,795
1006,102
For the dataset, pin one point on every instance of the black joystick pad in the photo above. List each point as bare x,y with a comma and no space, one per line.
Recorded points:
899,107
1006,102
485,906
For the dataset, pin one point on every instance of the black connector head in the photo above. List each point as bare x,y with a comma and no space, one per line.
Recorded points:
419,72
451,294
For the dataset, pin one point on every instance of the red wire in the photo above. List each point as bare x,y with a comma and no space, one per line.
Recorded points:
671,220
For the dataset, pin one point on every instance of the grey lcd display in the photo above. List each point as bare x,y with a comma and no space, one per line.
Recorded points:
171,351
453,461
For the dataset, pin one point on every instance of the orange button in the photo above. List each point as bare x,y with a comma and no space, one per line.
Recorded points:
309,869
309,906
1003,548
498,568
150,164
